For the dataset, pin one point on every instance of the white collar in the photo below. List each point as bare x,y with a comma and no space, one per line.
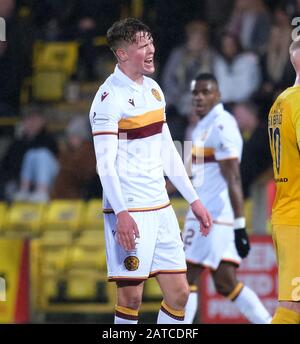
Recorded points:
215,110
126,80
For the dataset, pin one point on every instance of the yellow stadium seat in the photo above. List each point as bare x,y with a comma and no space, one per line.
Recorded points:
81,288
47,272
54,259
91,238
57,238
87,258
25,218
152,290
64,215
3,216
61,56
48,85
53,64
93,217
86,285
180,207
86,276
50,287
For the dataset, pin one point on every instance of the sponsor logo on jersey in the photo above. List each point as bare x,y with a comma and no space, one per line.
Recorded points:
104,95
281,180
131,263
131,101
156,94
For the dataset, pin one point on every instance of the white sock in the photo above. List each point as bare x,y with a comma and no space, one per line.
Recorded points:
191,307
250,306
119,320
124,315
168,315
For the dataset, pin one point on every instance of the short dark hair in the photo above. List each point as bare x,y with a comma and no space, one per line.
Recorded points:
125,30
206,77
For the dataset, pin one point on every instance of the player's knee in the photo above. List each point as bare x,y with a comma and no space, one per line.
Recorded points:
181,297
132,301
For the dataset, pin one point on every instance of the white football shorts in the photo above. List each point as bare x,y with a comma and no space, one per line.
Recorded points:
158,250
209,251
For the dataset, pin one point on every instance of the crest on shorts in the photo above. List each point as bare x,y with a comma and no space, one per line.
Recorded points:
156,94
131,263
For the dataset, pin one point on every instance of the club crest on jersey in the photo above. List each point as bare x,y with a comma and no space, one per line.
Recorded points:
131,263
156,94
131,101
104,95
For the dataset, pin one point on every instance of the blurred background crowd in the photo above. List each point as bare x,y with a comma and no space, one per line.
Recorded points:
55,57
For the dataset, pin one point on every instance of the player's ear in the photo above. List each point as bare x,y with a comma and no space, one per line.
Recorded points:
121,54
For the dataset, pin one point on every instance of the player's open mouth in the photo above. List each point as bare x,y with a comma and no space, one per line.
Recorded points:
149,61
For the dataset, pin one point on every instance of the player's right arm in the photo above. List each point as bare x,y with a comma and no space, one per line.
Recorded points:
175,170
104,122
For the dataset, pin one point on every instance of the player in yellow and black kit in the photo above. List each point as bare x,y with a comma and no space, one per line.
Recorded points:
284,136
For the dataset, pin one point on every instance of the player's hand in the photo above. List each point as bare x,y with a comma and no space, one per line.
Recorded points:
127,231
242,243
203,216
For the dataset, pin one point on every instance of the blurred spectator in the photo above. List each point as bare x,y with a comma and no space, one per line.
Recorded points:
237,72
184,62
77,162
251,22
256,158
168,19
217,13
50,18
88,19
32,159
11,60
277,70
293,8
76,20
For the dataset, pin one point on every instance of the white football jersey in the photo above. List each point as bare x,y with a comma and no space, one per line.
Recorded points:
216,137
136,113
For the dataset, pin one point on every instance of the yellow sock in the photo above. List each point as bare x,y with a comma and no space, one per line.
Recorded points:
285,316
